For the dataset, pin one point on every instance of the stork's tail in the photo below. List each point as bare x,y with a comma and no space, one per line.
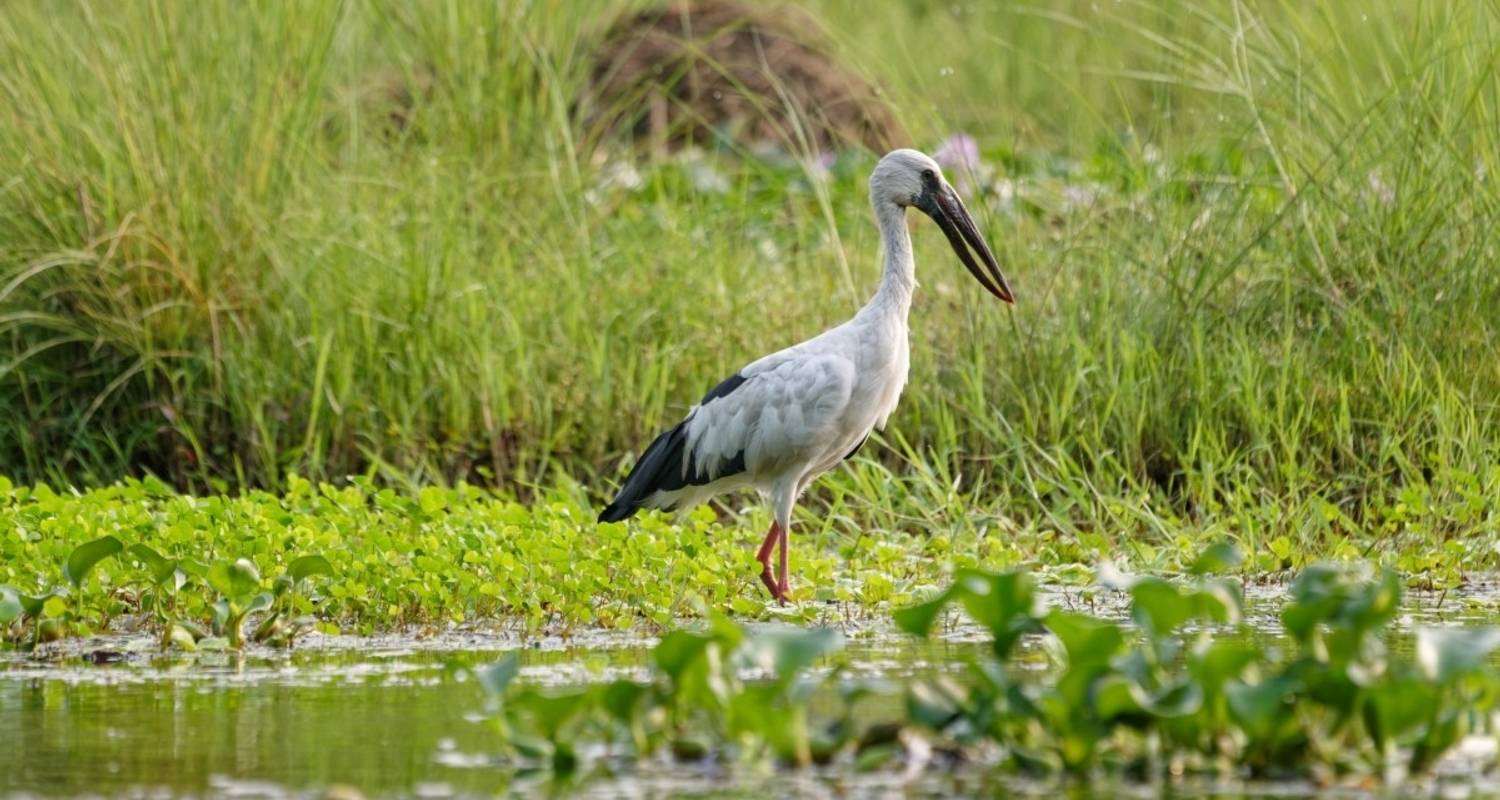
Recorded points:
660,467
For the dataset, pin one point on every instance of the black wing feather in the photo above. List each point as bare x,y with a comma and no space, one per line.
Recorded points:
856,447
660,468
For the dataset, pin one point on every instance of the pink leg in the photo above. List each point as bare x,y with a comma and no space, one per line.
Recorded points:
783,583
764,557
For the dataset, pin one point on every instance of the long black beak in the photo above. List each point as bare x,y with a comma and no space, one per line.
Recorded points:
939,201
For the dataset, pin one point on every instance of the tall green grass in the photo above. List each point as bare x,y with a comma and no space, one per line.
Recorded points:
1253,249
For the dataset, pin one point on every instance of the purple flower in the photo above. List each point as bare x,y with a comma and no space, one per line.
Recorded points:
958,152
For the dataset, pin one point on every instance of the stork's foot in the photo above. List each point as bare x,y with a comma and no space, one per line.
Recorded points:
778,592
770,582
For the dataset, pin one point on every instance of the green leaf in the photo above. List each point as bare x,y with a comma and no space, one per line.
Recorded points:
182,637
1444,654
933,703
874,758
262,601
1398,708
621,698
678,650
1217,558
1116,696
1160,607
236,580
1259,708
497,677
1004,604
792,650
1089,642
10,605
33,606
86,556
1214,663
550,712
917,620
432,499
308,566
157,566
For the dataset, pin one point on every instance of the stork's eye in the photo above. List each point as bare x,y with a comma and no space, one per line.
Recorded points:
928,174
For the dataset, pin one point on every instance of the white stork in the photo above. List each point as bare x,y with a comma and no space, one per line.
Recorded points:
786,419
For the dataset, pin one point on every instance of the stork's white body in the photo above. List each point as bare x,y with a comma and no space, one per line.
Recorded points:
784,420
803,410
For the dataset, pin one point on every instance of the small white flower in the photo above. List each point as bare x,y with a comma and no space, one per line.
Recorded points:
707,178
1384,192
622,174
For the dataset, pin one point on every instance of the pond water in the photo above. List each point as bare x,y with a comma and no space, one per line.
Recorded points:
389,716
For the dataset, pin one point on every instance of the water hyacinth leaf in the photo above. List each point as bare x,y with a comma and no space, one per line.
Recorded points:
261,602
1088,642
1213,663
792,650
688,749
1340,597
269,628
182,637
760,710
621,699
1444,654
533,747
1178,700
53,604
932,703
1217,558
678,650
51,630
1119,698
550,712
158,567
1370,605
307,566
1004,604
1397,708
497,677
872,759
236,580
564,759
34,605
917,620
10,605
1160,607
1261,708
86,556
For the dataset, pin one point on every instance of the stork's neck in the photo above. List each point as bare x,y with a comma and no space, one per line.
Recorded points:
900,277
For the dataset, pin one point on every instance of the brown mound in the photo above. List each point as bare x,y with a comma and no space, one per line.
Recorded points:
693,71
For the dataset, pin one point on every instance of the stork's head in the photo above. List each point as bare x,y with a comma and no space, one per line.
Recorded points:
909,178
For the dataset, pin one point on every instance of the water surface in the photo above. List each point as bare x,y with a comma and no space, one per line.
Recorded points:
401,715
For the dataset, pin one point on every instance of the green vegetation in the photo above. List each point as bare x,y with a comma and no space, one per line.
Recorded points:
361,558
1252,241
380,560
1184,698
